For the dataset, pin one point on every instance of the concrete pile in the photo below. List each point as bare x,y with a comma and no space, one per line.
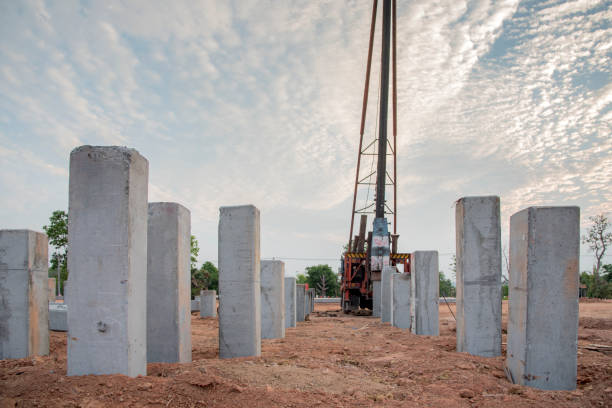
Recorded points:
208,303
290,303
168,283
478,231
24,294
239,282
272,299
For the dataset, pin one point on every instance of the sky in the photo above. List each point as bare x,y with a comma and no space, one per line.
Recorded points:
259,102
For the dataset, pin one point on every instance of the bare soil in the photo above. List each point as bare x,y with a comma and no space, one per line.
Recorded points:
331,360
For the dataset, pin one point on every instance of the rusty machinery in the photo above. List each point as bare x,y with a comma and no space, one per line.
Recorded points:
364,258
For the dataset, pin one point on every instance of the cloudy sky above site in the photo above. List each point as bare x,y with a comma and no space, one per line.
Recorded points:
237,102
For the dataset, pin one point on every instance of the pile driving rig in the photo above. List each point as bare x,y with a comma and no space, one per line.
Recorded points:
364,259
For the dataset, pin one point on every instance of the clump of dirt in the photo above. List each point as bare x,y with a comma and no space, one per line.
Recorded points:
341,360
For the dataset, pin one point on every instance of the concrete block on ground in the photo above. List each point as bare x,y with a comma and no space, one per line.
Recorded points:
208,303
195,304
386,296
239,282
401,300
52,287
272,299
290,301
169,284
543,297
58,317
300,302
107,261
424,293
24,294
478,240
376,301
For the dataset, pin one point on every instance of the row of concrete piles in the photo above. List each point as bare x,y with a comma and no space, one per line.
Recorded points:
543,291
128,293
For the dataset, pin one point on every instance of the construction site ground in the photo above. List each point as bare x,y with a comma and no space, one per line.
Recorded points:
331,360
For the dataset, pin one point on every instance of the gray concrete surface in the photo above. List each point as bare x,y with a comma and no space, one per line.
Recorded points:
376,301
327,300
195,304
290,302
311,298
239,282
300,302
208,303
168,284
107,261
478,243
424,292
272,299
386,294
24,294
543,297
52,288
401,300
58,317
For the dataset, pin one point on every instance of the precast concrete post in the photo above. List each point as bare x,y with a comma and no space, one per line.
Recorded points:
272,299
311,298
543,293
51,285
300,302
401,300
478,240
386,296
239,282
424,292
24,294
290,296
168,284
107,261
208,303
376,301
195,304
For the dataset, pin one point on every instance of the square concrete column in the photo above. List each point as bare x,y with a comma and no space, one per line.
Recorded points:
479,298
386,296
107,261
311,297
272,299
300,302
24,294
195,304
290,302
208,303
58,317
543,305
169,284
424,293
401,300
376,301
52,287
239,282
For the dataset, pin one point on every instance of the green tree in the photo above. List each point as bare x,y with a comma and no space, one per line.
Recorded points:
322,277
197,281
210,276
300,278
446,286
57,231
607,272
599,239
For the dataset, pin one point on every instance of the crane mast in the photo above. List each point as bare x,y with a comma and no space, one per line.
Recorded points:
361,267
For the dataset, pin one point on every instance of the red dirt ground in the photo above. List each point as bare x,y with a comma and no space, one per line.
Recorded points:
331,360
